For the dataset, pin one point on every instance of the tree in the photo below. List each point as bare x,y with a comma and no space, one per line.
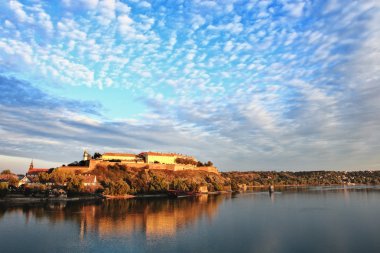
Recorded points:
13,181
116,188
96,155
158,184
180,185
75,184
6,172
60,177
44,177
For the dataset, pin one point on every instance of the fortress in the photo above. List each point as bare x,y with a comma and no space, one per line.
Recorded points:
148,160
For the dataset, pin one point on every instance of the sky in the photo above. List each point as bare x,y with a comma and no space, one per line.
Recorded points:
249,85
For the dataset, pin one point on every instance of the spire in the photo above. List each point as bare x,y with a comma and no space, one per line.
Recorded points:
31,165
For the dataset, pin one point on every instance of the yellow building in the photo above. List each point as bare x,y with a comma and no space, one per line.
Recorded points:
155,157
120,156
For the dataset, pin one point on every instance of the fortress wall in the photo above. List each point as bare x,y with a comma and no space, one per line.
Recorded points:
178,167
74,169
94,163
154,166
157,166
209,169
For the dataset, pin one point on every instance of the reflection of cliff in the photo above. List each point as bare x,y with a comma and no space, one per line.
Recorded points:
153,217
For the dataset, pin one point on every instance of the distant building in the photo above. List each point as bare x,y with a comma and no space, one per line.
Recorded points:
124,157
90,180
23,180
34,172
164,158
86,156
155,157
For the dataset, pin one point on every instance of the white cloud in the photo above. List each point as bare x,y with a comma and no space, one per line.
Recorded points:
106,9
123,8
86,4
19,12
125,24
228,47
145,4
197,21
295,9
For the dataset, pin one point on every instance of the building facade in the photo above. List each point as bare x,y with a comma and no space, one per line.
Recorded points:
120,156
156,157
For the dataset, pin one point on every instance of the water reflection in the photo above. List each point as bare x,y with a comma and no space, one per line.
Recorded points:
303,219
122,218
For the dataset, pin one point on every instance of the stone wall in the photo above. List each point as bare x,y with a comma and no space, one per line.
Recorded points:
158,166
154,166
208,169
184,167
94,163
74,169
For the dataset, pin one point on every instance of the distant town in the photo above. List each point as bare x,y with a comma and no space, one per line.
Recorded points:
125,175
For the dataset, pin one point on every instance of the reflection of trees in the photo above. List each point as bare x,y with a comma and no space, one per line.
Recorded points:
154,216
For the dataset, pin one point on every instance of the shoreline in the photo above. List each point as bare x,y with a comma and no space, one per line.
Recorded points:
84,198
25,199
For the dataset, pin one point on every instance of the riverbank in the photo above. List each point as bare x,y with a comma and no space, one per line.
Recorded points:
30,199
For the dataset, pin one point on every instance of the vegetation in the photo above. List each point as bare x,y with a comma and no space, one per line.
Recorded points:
142,180
261,178
96,155
208,164
121,179
185,161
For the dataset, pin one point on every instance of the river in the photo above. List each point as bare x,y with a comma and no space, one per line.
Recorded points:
313,219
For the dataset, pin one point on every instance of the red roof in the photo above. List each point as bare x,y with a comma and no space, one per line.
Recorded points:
36,171
158,154
119,154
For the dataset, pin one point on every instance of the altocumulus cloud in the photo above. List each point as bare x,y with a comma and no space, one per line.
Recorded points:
36,124
248,84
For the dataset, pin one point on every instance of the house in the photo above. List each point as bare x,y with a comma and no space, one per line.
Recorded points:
23,180
89,180
34,172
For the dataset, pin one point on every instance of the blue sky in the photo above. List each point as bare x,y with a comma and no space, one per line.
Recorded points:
250,85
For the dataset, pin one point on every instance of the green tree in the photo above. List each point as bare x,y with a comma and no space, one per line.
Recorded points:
96,155
75,184
158,184
44,177
180,185
6,172
117,188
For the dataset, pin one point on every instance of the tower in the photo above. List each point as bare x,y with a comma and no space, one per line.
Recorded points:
86,156
31,165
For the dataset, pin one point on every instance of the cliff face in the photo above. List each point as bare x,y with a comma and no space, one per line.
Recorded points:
154,178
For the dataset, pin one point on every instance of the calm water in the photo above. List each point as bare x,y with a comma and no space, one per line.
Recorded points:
295,220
